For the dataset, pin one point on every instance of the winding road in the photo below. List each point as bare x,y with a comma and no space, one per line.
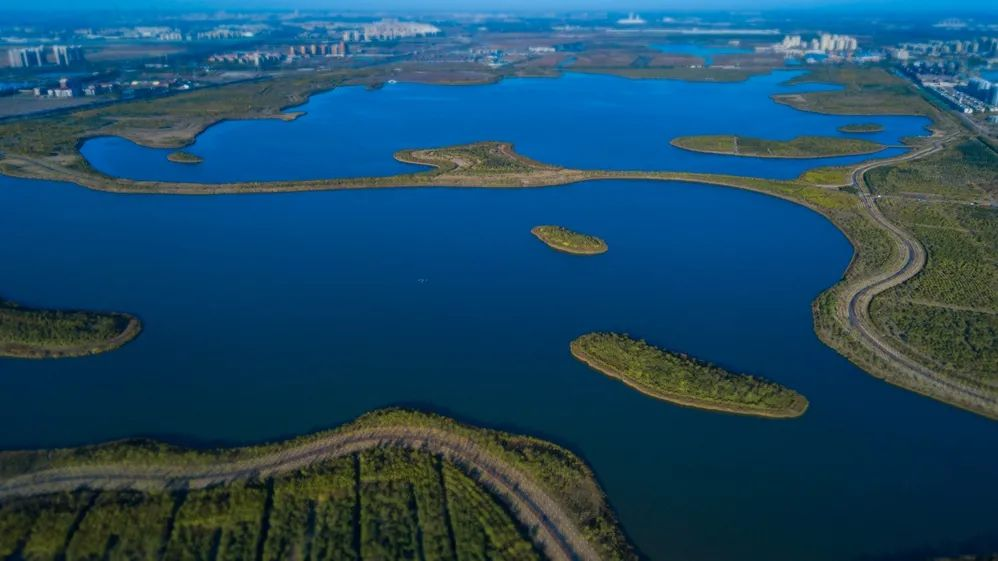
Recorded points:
914,375
552,529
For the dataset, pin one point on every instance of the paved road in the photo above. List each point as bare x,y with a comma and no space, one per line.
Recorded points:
913,262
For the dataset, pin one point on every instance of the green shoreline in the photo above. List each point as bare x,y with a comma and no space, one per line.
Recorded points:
551,491
566,241
799,148
656,365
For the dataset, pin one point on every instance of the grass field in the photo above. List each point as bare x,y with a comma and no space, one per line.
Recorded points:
680,379
799,147
865,91
31,333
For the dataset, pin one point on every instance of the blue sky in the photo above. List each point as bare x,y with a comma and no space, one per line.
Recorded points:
942,6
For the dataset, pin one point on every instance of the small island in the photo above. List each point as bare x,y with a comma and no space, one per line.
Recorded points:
32,333
799,147
683,380
181,157
563,239
862,128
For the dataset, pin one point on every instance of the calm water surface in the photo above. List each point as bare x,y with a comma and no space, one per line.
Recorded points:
581,121
272,315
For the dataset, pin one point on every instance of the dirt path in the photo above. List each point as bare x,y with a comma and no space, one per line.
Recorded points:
551,528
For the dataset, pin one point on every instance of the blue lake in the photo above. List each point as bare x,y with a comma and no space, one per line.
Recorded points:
272,315
581,121
705,52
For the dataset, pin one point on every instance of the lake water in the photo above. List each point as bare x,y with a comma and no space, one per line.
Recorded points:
579,121
272,315
705,52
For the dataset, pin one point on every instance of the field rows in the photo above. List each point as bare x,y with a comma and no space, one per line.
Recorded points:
381,504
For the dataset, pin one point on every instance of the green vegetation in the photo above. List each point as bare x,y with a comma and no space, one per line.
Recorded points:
394,484
948,313
31,333
828,176
677,378
799,147
408,502
182,157
866,91
565,240
861,128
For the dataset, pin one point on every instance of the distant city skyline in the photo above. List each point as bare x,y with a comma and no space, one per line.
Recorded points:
984,6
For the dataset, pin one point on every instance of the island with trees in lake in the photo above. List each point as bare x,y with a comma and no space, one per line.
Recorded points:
567,241
684,380
799,147
184,157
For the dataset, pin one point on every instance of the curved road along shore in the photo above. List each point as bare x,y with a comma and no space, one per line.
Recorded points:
553,530
913,258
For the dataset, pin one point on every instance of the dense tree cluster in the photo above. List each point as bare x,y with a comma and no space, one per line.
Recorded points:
677,377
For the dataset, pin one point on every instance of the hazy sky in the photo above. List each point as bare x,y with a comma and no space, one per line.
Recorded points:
989,6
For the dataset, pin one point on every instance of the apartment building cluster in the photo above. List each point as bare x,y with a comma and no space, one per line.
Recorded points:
981,90
260,58
824,43
318,49
57,55
389,30
981,46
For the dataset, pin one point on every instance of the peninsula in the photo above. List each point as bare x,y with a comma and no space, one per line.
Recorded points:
683,380
394,484
32,333
567,241
800,147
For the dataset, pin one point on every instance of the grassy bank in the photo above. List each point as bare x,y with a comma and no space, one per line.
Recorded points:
567,241
32,333
799,147
680,379
389,484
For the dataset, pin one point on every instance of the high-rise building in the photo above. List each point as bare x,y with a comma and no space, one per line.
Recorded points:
983,90
63,55
26,58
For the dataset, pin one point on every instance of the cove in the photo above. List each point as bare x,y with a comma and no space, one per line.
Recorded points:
273,315
580,121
